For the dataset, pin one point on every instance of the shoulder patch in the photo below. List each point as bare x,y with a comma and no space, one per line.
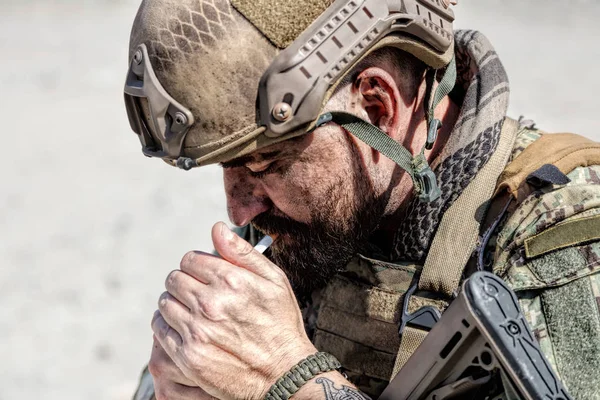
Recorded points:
566,234
574,327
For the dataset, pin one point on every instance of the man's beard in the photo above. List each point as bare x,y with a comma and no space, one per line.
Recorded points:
341,223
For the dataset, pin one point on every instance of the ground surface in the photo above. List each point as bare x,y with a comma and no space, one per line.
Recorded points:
89,228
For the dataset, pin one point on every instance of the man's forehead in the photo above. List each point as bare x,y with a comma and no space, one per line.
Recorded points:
286,148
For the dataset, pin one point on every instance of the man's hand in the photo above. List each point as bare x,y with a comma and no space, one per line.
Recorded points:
169,382
232,325
447,3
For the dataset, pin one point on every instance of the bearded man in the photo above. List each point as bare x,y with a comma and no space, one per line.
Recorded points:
372,143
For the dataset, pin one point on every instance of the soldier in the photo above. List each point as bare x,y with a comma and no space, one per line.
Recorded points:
372,143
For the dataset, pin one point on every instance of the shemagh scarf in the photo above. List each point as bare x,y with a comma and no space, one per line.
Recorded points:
482,86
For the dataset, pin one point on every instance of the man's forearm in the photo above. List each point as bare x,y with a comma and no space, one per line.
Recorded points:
329,386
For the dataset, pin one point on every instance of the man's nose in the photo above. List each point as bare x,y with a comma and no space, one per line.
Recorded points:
246,197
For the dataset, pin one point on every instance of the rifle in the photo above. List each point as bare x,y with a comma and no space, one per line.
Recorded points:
482,333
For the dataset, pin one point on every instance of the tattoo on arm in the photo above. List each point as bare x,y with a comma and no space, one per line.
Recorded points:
345,393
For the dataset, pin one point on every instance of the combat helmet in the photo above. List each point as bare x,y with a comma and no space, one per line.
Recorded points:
315,44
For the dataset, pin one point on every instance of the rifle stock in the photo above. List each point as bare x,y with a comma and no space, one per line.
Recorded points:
483,331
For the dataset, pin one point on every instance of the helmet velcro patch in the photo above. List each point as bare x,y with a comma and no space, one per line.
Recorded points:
281,21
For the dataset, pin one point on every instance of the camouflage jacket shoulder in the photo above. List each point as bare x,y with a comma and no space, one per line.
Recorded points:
548,250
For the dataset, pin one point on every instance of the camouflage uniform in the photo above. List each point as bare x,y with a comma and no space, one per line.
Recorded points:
559,290
359,312
356,316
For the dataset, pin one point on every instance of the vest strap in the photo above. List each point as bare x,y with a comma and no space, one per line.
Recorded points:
412,337
448,256
419,314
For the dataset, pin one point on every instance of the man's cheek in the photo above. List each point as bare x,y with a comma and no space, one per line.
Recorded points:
292,201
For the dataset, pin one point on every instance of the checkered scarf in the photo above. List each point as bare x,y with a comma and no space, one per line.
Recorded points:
482,87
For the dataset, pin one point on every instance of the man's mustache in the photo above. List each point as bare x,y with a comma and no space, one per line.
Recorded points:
270,223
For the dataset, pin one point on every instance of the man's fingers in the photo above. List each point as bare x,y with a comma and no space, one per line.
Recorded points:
205,268
175,313
176,391
162,367
169,338
241,253
182,286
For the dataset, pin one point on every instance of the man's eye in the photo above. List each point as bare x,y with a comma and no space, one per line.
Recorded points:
262,173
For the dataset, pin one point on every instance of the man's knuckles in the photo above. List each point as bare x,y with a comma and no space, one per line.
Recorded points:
189,261
198,335
173,283
166,303
234,279
192,260
159,325
213,308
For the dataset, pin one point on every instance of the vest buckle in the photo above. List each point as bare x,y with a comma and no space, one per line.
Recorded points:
424,318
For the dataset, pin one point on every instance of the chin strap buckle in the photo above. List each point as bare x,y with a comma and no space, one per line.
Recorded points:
430,191
427,181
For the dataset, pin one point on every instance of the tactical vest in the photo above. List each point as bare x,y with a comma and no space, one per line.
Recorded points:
359,313
362,310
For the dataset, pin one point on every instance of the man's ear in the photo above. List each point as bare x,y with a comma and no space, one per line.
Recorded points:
375,97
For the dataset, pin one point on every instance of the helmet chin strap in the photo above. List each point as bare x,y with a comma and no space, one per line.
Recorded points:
424,180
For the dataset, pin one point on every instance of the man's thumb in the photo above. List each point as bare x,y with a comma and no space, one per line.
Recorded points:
241,253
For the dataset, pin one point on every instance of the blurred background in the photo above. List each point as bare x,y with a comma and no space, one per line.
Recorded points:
89,228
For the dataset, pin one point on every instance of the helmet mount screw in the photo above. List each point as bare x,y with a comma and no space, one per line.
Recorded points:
137,57
282,112
180,118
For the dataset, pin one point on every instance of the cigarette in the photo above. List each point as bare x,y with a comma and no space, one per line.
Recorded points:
263,244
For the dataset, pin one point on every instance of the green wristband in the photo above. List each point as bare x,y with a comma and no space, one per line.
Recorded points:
301,373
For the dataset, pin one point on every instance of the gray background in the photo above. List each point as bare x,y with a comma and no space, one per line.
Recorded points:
89,228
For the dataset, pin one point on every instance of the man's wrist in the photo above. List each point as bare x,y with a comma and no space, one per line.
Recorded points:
297,376
329,386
